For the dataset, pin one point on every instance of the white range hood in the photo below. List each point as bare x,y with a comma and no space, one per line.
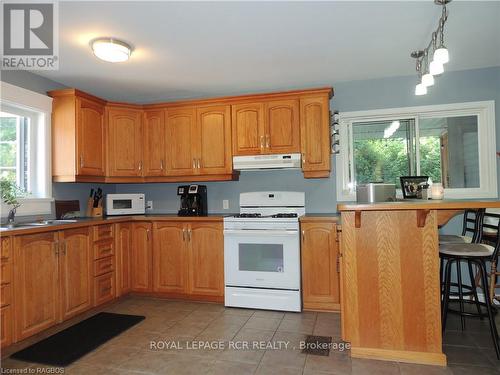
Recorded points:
258,162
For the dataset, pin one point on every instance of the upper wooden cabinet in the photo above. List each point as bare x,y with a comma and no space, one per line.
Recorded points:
154,143
124,129
315,136
181,141
213,140
248,129
282,127
78,137
320,266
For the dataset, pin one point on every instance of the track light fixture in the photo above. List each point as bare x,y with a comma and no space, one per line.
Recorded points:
427,70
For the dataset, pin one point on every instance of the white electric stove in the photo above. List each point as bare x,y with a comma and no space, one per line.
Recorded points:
262,251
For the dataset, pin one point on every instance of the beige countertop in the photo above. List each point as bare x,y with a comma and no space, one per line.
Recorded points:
448,204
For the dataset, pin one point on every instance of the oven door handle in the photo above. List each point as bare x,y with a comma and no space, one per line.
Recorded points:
250,232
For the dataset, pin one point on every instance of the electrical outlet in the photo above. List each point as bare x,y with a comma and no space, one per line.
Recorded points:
149,205
225,204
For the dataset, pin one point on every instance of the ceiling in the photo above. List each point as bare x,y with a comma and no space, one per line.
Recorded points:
192,50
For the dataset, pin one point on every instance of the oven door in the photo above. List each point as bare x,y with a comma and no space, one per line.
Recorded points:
262,259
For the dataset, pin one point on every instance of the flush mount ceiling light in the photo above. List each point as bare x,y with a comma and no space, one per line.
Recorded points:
427,70
111,50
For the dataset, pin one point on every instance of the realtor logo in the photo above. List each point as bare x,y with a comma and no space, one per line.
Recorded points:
29,35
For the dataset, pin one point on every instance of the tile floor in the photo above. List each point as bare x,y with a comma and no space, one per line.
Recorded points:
187,322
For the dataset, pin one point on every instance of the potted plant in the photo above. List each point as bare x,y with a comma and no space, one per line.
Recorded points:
10,194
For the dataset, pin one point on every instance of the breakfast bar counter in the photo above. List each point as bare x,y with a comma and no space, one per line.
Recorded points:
390,287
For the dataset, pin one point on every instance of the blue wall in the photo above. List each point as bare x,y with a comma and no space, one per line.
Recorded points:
451,87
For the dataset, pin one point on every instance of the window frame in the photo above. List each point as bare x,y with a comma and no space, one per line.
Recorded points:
17,97
484,110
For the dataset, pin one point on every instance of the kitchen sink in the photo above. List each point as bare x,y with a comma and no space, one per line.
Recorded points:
47,222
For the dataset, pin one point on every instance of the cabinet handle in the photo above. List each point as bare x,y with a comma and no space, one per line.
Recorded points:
81,161
184,234
268,140
140,165
303,235
261,141
303,158
194,163
199,163
189,234
161,164
148,234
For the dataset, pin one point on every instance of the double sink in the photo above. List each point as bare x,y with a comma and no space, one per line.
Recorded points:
40,223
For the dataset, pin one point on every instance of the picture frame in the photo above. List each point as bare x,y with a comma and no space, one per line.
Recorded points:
412,185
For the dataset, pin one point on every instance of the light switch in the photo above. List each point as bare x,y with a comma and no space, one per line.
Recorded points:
149,205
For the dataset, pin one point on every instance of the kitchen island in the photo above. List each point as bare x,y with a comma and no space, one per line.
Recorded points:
390,287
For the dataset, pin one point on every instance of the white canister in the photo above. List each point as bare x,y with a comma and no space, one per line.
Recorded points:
437,191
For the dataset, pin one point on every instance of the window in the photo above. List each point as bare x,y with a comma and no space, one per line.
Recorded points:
25,146
452,144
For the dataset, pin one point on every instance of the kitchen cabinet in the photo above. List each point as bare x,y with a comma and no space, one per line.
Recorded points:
78,136
104,263
75,259
181,136
320,266
170,272
213,140
124,130
248,128
6,292
206,259
141,257
315,136
282,127
154,143
36,283
189,258
123,246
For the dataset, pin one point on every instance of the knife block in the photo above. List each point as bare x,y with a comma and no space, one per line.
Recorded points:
94,211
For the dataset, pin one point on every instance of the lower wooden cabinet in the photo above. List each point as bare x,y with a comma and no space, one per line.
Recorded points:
188,258
5,326
170,256
104,288
123,245
141,257
320,266
6,292
36,283
75,261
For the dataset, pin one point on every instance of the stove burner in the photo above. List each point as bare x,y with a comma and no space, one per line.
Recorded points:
247,215
285,215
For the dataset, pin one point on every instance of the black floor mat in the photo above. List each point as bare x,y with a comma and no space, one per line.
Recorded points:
74,342
317,345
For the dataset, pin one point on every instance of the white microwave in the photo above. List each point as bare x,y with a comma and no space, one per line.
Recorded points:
125,204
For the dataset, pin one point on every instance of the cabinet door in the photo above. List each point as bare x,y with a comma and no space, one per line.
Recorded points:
206,259
182,138
76,263
124,142
90,141
141,257
170,273
248,129
154,143
5,326
320,272
36,282
282,127
213,128
123,255
315,136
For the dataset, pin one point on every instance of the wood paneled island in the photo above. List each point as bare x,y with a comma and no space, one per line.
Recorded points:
390,292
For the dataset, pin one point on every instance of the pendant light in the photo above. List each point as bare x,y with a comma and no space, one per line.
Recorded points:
427,71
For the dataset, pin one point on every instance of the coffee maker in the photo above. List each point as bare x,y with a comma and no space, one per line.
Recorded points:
193,200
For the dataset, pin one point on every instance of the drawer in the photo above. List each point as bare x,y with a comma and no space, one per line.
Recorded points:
104,288
104,265
5,249
5,273
103,232
103,249
6,326
6,295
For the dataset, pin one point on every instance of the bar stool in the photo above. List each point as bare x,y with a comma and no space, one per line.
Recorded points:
488,235
475,254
